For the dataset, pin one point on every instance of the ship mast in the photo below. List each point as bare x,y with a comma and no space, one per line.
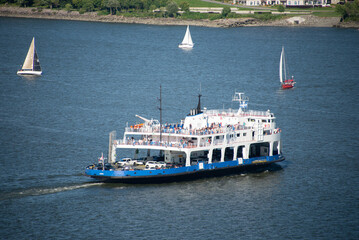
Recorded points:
242,99
199,100
160,108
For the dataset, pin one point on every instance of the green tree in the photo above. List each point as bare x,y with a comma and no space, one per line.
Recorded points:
138,4
172,9
113,5
152,7
184,6
24,3
225,11
280,8
146,4
97,4
77,3
54,3
124,4
68,7
88,5
349,11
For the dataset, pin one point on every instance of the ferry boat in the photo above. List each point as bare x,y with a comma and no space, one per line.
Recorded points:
207,143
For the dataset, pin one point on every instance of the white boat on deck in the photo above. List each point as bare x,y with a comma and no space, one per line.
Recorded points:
187,42
31,64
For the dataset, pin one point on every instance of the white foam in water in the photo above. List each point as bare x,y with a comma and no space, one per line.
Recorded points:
44,191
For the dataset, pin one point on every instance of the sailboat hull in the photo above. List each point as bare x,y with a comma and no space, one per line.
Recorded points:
29,72
185,46
286,86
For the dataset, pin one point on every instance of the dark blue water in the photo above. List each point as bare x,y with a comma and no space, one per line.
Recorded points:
97,76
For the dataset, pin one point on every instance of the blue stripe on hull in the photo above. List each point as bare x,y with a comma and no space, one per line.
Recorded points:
181,173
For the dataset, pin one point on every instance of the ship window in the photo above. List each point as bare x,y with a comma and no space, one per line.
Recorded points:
244,134
238,134
263,120
228,154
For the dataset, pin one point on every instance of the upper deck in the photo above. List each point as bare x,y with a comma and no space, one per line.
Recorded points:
247,131
174,129
237,113
205,127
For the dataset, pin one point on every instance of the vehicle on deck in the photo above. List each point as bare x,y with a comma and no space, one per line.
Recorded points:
154,165
128,162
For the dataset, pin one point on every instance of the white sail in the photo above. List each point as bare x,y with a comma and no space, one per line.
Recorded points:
31,64
286,83
284,65
29,60
187,40
281,66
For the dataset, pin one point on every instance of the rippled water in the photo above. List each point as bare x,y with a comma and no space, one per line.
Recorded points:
97,76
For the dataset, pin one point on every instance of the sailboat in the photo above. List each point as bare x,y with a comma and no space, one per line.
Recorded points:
287,83
187,40
31,64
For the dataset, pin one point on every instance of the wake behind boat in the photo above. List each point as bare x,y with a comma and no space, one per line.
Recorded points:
207,143
31,64
187,42
287,83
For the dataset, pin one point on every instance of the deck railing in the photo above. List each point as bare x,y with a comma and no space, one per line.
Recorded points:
232,113
182,131
155,143
188,144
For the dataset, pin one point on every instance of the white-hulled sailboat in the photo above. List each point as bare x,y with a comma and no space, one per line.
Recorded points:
187,40
287,83
31,64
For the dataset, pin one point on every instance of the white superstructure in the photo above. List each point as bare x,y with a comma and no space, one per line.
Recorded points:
206,135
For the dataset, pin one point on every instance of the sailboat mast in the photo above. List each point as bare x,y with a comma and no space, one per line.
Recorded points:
284,65
187,34
33,54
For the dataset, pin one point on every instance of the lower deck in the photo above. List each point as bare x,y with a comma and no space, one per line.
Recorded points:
199,170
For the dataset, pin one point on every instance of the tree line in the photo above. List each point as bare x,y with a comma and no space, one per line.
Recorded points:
168,8
112,6
349,11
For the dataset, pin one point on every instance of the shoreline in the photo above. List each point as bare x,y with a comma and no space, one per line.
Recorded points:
305,20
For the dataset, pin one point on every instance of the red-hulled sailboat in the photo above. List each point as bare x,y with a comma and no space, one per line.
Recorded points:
287,83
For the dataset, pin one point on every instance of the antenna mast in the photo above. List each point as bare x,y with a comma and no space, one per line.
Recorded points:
160,108
199,100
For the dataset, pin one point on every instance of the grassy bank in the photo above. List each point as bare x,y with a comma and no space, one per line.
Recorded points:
199,3
261,16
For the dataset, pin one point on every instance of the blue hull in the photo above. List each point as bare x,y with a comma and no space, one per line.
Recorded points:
183,173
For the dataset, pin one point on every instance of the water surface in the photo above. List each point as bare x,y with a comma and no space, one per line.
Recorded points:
97,76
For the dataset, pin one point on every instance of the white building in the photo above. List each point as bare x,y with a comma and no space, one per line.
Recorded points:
283,2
